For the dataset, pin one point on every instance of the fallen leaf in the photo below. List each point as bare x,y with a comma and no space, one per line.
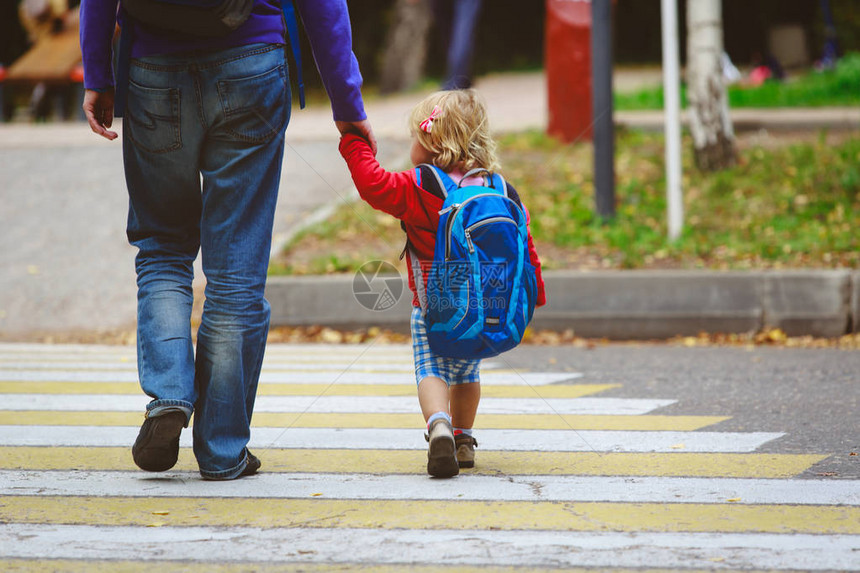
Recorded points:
734,499
156,524
316,494
853,454
161,512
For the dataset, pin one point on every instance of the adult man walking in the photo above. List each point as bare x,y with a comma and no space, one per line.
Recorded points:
203,144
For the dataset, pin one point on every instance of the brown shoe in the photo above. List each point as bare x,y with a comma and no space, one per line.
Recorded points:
465,450
157,445
441,456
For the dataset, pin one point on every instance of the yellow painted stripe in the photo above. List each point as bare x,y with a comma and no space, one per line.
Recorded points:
414,514
357,420
104,566
335,389
415,461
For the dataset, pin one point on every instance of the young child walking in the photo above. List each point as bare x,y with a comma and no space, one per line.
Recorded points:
450,131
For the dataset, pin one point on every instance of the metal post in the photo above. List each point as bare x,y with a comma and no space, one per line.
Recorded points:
604,131
672,107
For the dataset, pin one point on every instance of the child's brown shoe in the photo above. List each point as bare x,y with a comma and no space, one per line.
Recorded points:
465,450
441,454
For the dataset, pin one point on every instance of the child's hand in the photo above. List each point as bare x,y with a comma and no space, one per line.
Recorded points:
360,128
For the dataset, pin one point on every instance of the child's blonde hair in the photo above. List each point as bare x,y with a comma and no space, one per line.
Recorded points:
460,133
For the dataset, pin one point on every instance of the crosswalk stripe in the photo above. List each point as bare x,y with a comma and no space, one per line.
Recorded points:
343,404
344,351
566,478
381,438
351,547
413,514
337,389
465,488
346,376
354,420
387,462
129,362
199,566
308,366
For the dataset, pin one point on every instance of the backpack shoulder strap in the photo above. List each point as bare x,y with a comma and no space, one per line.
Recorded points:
293,31
441,181
499,184
123,64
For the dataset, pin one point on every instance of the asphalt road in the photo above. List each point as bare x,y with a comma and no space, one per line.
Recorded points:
813,395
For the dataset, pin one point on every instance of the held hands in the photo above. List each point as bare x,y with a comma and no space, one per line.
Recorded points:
360,128
98,107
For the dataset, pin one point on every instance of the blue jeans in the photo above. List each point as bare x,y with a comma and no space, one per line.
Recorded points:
458,19
203,143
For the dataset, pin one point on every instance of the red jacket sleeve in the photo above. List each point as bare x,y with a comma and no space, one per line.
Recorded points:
397,194
535,260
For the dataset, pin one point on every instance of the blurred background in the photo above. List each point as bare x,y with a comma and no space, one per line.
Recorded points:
40,56
779,190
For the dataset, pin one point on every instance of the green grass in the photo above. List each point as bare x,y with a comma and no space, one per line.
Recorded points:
797,205
839,87
785,205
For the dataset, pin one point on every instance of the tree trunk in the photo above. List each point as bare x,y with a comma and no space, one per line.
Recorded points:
708,102
406,46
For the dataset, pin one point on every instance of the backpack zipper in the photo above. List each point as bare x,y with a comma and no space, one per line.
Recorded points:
481,223
465,310
455,208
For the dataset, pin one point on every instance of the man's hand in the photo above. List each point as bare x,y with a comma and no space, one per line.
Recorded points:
98,107
361,128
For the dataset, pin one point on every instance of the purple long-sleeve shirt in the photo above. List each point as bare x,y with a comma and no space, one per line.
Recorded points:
326,23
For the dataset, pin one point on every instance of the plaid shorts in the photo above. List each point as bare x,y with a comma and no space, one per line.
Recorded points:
451,370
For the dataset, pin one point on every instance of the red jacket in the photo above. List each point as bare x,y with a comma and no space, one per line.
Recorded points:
400,195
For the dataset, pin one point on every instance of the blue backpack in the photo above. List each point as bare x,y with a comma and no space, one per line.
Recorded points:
481,287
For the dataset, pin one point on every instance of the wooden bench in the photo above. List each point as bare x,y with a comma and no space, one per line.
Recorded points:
54,61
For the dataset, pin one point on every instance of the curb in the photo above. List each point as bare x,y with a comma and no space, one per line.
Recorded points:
753,119
620,305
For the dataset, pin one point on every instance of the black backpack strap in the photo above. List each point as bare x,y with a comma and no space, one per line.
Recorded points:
439,184
123,64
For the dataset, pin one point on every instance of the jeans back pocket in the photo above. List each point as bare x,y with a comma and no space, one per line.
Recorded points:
152,118
255,108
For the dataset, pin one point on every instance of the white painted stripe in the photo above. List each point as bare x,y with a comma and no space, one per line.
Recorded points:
341,404
342,350
300,365
417,487
396,439
442,547
346,376
329,366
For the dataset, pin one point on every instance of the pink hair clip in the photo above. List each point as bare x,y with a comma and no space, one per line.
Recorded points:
427,125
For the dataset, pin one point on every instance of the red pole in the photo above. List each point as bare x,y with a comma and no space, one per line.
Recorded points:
568,69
